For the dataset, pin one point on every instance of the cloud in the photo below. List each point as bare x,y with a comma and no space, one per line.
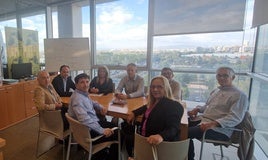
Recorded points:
114,15
130,37
117,28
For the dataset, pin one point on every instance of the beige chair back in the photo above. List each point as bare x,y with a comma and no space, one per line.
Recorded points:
81,135
173,150
51,122
165,150
142,149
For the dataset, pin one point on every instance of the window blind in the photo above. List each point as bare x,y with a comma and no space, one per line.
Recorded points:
260,13
197,16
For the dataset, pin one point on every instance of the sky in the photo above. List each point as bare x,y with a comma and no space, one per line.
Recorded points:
124,25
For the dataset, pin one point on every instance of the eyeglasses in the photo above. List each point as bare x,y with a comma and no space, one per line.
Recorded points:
225,76
156,87
167,73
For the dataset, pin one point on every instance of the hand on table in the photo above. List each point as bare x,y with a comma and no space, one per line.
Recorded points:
193,113
94,90
121,96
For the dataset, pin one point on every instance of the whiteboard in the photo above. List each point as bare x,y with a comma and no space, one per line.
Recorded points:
73,52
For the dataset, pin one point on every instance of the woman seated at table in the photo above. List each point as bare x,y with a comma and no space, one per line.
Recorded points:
102,83
161,116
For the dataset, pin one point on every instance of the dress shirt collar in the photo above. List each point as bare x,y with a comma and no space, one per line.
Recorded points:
225,87
64,78
82,92
135,77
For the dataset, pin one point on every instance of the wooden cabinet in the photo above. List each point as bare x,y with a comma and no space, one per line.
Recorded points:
3,108
16,103
28,98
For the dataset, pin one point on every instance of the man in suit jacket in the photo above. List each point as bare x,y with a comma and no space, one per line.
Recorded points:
46,98
63,82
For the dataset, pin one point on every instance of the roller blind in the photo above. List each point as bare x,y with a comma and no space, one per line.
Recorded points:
260,14
197,16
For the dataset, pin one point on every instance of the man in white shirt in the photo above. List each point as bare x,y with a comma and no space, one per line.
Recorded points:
132,83
225,107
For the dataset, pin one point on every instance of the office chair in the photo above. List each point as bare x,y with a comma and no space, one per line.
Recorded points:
51,123
173,150
177,150
242,139
142,149
81,135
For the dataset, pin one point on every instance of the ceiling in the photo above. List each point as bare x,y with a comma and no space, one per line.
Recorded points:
9,8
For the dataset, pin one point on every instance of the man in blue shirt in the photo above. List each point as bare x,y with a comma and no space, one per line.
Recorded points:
83,109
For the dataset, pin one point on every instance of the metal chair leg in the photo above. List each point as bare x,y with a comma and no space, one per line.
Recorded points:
69,147
63,148
37,148
221,151
201,150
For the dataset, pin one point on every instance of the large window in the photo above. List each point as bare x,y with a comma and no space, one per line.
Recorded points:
259,112
259,91
261,66
202,52
121,32
36,24
55,24
86,21
3,24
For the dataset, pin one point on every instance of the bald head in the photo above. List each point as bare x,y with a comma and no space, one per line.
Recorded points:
43,78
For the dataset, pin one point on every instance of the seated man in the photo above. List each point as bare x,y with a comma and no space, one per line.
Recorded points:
83,109
175,86
46,98
132,83
225,107
63,82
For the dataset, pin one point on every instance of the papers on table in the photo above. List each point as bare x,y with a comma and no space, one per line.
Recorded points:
118,108
97,95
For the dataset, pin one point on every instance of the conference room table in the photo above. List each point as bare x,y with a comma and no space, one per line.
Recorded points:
123,110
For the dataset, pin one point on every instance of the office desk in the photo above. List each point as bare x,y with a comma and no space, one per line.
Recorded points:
122,111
